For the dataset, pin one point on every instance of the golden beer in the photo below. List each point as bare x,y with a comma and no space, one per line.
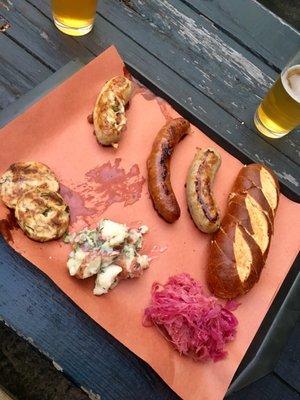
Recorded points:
74,17
279,112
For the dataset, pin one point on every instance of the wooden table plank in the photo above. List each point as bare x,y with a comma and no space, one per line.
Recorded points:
8,92
256,27
288,365
36,309
267,388
75,335
18,77
231,81
28,99
211,61
28,375
36,33
214,119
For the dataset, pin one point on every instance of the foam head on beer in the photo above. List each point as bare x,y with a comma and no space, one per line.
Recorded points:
279,112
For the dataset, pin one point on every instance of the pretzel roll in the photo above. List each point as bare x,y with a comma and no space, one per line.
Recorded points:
239,249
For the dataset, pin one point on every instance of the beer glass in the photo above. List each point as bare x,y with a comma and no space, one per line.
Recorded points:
74,17
279,112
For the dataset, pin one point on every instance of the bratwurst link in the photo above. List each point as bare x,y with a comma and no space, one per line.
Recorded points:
202,205
158,166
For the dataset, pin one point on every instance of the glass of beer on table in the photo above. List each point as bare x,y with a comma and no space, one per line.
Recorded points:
74,17
279,112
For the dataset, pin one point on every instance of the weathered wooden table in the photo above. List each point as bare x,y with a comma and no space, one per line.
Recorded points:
214,60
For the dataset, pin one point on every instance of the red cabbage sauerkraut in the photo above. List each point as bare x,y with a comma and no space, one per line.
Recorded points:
197,325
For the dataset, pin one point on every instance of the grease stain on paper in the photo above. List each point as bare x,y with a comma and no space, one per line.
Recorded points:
109,183
103,186
164,106
76,203
7,225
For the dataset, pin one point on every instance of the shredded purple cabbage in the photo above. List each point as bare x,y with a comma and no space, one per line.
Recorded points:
197,325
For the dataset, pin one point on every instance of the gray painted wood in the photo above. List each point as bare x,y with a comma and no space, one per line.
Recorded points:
204,109
254,26
45,304
18,107
212,62
34,31
215,65
288,365
268,388
41,313
17,77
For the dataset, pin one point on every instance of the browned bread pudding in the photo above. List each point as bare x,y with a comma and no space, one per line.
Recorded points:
23,176
240,248
42,215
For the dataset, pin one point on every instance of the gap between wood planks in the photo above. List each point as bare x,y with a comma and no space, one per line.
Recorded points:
87,43
236,117
287,145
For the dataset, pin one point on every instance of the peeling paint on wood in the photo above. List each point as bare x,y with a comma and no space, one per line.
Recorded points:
57,366
205,56
90,393
288,177
214,47
253,25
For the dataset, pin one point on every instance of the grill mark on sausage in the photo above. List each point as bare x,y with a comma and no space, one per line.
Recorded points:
158,166
203,187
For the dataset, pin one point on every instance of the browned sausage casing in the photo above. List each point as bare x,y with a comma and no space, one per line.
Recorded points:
201,203
158,166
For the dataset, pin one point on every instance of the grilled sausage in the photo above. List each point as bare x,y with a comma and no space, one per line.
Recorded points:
109,112
201,203
158,166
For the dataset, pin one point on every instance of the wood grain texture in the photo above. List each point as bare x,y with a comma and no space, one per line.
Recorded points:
33,306
35,32
28,300
206,57
288,365
214,63
17,77
251,24
267,388
26,373
28,99
232,134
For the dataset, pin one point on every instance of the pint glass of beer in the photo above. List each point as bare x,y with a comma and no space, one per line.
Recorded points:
74,17
279,112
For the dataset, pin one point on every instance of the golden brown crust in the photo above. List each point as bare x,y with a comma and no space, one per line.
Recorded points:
42,215
201,203
261,229
109,112
250,177
158,166
240,248
24,176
